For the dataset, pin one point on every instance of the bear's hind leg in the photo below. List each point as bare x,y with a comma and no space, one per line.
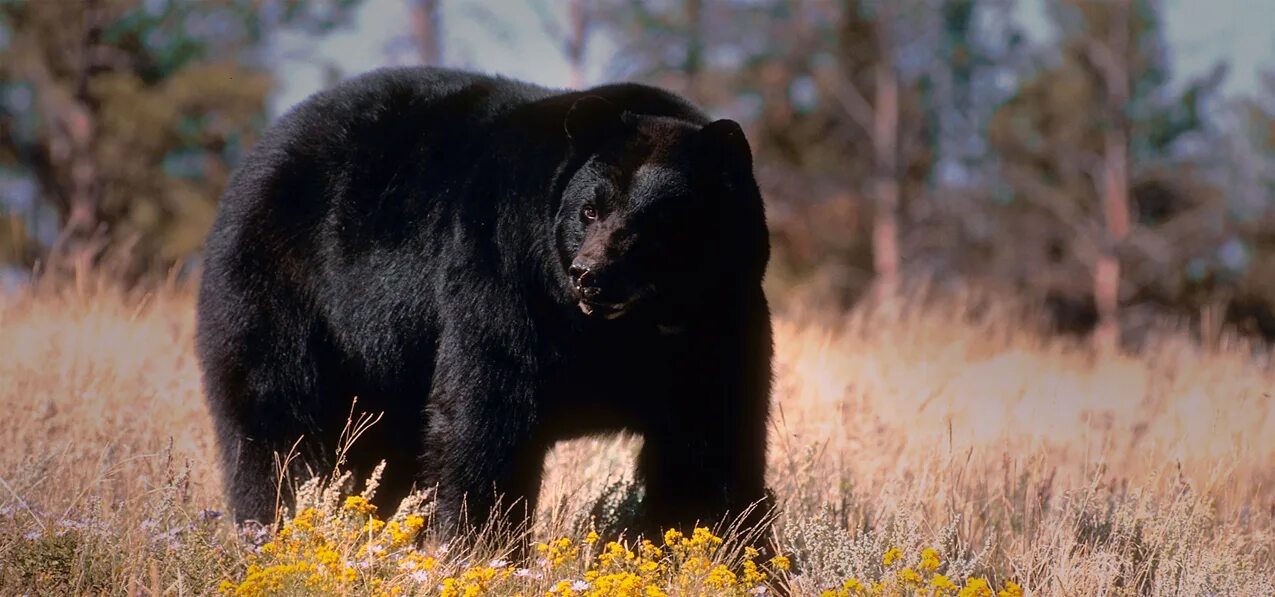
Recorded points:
265,399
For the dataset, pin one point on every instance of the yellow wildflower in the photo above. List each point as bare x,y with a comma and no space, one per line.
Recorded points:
720,577
929,559
703,538
672,537
752,576
976,587
654,591
942,584
1011,590
359,505
562,588
614,553
349,574
558,552
620,584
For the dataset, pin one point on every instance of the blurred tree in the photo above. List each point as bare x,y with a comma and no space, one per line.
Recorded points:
16,245
868,87
1260,119
574,36
1112,55
661,42
128,115
979,54
1246,171
427,27
831,100
1098,123
976,57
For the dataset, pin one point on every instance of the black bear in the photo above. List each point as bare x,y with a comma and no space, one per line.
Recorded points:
495,266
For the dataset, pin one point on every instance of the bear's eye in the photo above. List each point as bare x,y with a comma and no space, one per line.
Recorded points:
589,212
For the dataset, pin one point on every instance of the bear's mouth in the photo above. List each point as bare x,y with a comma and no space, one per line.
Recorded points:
606,310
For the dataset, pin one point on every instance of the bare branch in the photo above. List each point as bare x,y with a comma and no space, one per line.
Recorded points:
1059,204
853,102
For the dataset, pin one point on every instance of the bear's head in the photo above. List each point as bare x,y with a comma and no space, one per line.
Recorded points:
661,216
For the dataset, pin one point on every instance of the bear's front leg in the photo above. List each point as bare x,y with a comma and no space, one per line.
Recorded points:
703,458
480,452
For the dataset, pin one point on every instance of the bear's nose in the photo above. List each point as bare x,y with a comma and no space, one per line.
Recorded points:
585,281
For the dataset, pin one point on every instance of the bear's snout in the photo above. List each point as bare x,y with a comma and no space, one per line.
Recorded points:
591,284
598,293
584,281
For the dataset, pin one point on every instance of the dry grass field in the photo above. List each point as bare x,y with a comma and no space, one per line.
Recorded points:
923,447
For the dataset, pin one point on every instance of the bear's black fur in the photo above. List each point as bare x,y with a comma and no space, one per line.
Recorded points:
495,266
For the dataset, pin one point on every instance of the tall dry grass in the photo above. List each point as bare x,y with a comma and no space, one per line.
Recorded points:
920,423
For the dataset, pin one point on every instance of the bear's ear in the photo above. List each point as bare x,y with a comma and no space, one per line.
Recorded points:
592,118
723,144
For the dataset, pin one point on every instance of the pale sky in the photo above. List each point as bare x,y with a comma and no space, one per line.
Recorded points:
507,38
1200,33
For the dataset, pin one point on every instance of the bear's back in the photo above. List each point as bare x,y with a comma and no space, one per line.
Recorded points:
400,152
370,123
350,166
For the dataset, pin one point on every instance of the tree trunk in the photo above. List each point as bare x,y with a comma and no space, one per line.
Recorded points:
694,64
1115,207
427,30
577,41
1114,179
81,239
885,186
